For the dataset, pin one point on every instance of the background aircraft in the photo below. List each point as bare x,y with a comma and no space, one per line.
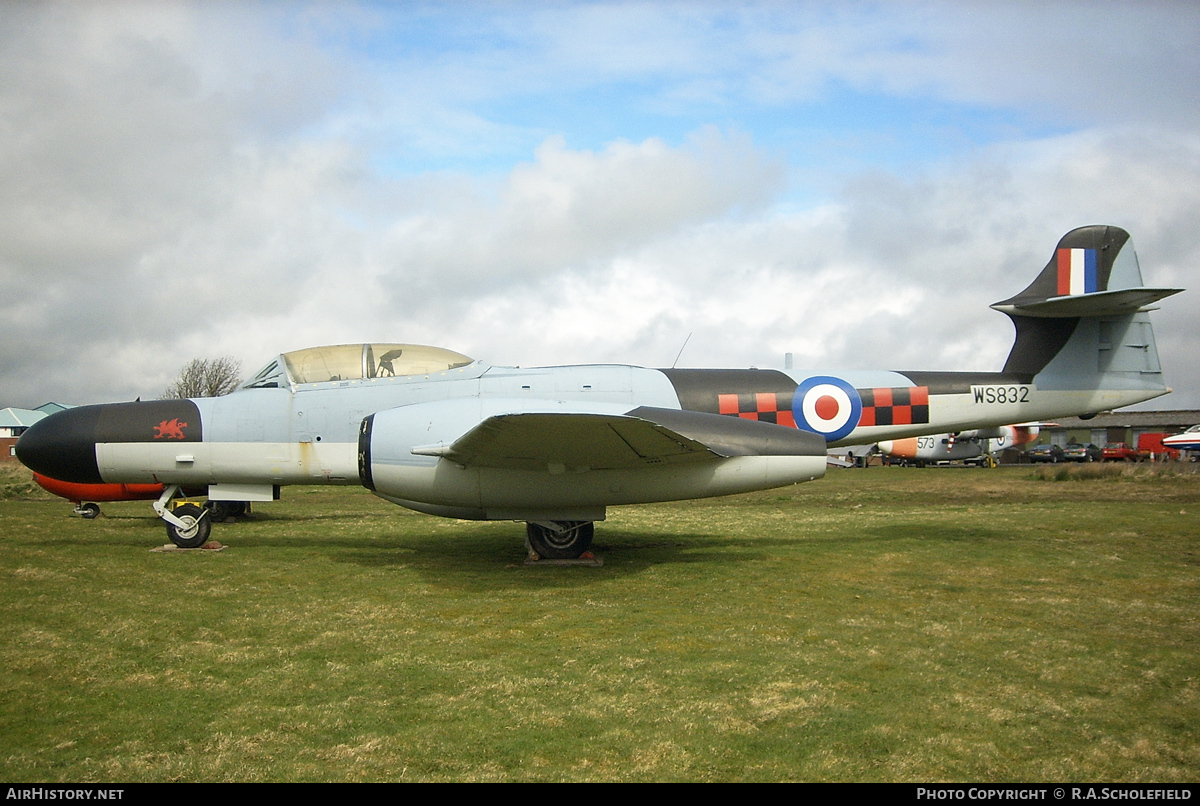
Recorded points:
964,445
438,432
87,497
1189,440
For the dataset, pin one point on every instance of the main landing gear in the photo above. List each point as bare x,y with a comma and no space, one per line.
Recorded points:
560,540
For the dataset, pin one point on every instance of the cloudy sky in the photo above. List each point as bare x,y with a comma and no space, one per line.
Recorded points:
541,183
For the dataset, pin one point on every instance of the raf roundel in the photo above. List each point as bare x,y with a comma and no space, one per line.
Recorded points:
827,406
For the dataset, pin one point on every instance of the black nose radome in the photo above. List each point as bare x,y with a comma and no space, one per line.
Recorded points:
63,445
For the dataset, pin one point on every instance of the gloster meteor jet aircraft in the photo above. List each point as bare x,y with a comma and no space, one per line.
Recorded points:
976,444
438,432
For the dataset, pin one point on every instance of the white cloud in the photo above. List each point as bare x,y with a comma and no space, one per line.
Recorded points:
618,255
171,194
569,209
898,274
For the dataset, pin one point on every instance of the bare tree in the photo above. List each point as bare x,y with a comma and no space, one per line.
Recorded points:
206,377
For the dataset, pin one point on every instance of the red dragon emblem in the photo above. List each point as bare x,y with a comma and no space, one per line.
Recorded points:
170,429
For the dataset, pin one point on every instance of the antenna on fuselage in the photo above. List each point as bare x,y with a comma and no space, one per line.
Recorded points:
685,341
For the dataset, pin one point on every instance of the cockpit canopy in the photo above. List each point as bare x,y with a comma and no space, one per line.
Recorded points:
351,362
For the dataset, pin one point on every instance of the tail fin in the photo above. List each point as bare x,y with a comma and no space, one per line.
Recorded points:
1082,323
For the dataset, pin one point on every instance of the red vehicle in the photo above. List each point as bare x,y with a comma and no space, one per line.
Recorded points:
1151,447
1119,452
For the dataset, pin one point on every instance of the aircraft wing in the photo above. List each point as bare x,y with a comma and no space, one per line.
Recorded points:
644,436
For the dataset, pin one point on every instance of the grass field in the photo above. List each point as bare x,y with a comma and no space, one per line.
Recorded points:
879,625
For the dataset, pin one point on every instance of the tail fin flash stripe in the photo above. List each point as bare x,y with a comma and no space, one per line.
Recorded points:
1077,272
1079,279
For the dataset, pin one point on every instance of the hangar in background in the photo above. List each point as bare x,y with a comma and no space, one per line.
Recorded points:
1118,426
14,421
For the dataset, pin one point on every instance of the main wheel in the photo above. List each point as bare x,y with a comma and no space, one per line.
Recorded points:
196,527
564,540
89,511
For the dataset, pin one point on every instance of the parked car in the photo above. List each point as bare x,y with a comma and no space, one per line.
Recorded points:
1082,453
1045,453
1120,452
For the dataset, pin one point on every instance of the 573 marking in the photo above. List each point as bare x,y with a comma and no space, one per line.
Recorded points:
1015,393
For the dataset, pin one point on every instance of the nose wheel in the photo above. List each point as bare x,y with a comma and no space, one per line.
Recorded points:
193,529
188,526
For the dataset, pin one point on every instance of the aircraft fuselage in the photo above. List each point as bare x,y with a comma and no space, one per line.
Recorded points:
313,433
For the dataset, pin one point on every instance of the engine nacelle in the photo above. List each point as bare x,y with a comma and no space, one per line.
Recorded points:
404,455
